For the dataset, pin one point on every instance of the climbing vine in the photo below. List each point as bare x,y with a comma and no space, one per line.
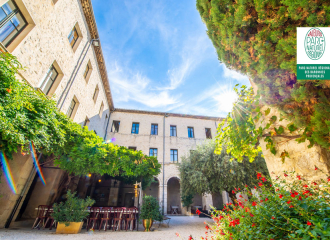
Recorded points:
28,115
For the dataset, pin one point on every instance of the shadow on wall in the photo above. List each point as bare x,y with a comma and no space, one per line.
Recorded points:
98,123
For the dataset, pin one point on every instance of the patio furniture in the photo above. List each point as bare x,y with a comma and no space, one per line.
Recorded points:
41,216
131,218
118,218
93,217
106,216
50,218
174,210
165,219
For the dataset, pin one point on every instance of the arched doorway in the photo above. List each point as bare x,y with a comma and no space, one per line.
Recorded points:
153,189
173,196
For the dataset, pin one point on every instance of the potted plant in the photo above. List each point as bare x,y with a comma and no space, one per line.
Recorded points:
70,214
149,212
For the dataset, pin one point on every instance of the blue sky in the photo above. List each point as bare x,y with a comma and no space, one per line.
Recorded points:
159,58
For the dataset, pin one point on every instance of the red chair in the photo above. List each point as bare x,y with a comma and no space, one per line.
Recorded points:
130,219
50,218
41,216
94,217
106,216
118,218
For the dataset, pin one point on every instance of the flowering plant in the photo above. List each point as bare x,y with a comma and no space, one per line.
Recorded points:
291,208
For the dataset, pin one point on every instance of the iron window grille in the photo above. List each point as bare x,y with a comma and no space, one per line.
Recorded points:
71,108
115,126
153,152
190,132
208,133
135,128
12,22
73,37
49,80
154,129
174,155
173,131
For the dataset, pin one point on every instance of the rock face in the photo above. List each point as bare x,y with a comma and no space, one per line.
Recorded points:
302,159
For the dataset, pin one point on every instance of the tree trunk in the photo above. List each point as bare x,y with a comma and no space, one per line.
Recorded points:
232,196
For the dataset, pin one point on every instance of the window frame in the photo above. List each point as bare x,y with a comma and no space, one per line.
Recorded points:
74,29
154,129
174,153
134,124
153,151
9,17
173,126
86,122
191,130
132,148
86,71
206,135
47,78
96,93
72,110
113,127
101,109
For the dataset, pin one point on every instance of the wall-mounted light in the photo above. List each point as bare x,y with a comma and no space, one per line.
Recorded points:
96,42
99,180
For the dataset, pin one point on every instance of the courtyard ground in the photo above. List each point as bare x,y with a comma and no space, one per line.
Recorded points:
184,225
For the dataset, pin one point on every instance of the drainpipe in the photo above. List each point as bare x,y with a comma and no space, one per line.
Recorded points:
163,207
75,72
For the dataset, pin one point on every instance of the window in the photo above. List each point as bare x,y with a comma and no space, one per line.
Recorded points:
49,80
153,152
135,128
115,126
173,131
101,109
73,36
132,148
154,129
12,22
86,122
96,93
208,133
190,132
86,71
174,155
71,108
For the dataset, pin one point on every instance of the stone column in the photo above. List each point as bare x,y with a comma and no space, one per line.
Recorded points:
207,201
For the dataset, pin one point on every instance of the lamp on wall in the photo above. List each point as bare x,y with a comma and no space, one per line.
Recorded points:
96,42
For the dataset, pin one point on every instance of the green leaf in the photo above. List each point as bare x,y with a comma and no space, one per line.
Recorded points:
267,111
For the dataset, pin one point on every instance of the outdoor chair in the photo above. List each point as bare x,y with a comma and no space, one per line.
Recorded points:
41,216
130,218
118,218
106,217
93,217
50,218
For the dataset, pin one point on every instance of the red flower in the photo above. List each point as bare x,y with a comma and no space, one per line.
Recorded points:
309,223
8,90
328,179
260,184
305,186
270,185
259,175
280,195
263,179
255,187
246,185
233,192
296,193
177,234
293,195
273,217
240,196
235,189
266,199
314,183
261,200
299,177
277,189
207,227
254,204
316,168
253,225
251,215
291,206
288,202
305,192
190,238
285,175
300,198
198,212
239,189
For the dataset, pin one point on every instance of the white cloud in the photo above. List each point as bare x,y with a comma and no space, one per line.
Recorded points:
228,73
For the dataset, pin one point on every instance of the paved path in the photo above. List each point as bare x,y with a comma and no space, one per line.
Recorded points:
183,225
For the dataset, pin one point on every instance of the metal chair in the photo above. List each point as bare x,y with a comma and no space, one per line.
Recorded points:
118,218
93,217
50,218
106,216
130,218
41,216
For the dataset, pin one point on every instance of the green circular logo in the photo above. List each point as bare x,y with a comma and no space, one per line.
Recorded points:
314,43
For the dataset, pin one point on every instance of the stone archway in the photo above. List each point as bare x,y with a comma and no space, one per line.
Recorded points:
153,189
173,195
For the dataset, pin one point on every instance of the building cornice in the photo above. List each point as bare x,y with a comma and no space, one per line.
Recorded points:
90,19
168,114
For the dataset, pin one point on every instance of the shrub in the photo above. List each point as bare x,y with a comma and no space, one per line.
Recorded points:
72,210
290,209
150,209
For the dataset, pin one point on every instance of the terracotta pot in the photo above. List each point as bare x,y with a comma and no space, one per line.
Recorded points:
147,223
73,228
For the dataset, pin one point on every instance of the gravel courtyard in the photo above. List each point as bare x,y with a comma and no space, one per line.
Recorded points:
183,225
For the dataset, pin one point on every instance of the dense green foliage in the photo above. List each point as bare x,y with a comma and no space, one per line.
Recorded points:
288,210
258,38
203,171
150,209
72,210
28,115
